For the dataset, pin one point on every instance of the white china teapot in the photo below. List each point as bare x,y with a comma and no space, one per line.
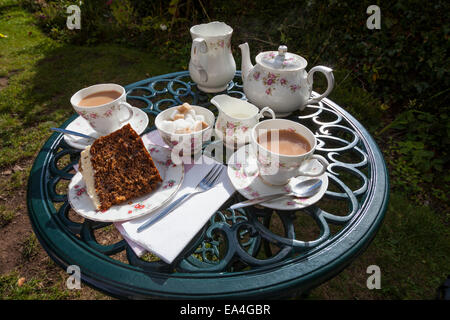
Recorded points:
279,80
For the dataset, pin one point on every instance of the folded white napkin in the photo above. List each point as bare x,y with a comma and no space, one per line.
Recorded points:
169,236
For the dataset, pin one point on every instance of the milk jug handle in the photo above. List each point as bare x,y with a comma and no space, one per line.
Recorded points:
328,72
264,110
198,47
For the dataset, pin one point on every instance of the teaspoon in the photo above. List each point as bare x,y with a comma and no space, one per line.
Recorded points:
302,189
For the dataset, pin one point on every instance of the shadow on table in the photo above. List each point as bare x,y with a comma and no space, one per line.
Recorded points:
65,69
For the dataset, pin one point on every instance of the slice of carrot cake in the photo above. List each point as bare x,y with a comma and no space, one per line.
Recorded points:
117,168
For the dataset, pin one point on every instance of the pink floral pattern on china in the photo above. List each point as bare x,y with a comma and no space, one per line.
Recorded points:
232,128
169,184
274,162
232,131
272,80
138,206
193,142
294,201
252,192
240,173
80,191
96,115
220,44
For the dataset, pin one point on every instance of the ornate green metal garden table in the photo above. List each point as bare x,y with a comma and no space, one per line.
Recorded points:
251,253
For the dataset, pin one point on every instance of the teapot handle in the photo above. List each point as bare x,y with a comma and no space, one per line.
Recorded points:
199,47
328,72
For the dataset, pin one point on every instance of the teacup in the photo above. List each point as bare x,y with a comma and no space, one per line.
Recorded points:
276,168
104,118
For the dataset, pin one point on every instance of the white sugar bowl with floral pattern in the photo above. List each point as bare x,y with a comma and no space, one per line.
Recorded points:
279,80
236,119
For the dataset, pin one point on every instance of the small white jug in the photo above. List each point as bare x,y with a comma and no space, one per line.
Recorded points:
236,119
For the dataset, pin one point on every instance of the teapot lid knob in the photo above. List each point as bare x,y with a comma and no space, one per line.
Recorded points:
281,60
282,50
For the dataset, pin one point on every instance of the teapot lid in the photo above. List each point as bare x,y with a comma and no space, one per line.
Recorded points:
281,60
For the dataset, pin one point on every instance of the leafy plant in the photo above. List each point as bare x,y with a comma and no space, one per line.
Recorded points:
124,14
418,152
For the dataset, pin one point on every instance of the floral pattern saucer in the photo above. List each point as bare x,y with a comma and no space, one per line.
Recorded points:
138,122
171,174
244,176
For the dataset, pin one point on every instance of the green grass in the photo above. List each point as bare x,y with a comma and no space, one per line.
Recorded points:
32,289
29,247
6,215
412,247
43,74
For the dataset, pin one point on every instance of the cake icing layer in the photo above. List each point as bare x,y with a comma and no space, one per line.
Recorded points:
88,175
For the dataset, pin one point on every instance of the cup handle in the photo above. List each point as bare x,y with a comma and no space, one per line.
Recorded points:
322,161
328,72
266,109
130,110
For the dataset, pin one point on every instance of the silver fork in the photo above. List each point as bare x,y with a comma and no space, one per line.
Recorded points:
204,185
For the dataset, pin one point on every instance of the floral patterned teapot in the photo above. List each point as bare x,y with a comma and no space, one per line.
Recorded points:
236,119
279,80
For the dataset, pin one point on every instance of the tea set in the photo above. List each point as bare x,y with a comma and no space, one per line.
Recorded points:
275,87
278,80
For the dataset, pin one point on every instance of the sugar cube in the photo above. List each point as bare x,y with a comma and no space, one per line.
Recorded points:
168,126
184,107
178,116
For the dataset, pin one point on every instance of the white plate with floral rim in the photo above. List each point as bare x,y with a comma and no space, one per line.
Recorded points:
138,122
171,174
251,186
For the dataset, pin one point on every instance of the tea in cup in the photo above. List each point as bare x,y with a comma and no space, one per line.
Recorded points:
104,106
284,149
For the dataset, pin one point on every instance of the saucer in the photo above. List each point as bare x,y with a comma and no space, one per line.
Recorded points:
138,122
244,176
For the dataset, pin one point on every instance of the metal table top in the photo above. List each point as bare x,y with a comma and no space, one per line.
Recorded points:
246,253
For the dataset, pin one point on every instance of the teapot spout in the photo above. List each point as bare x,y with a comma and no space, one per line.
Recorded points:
246,65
